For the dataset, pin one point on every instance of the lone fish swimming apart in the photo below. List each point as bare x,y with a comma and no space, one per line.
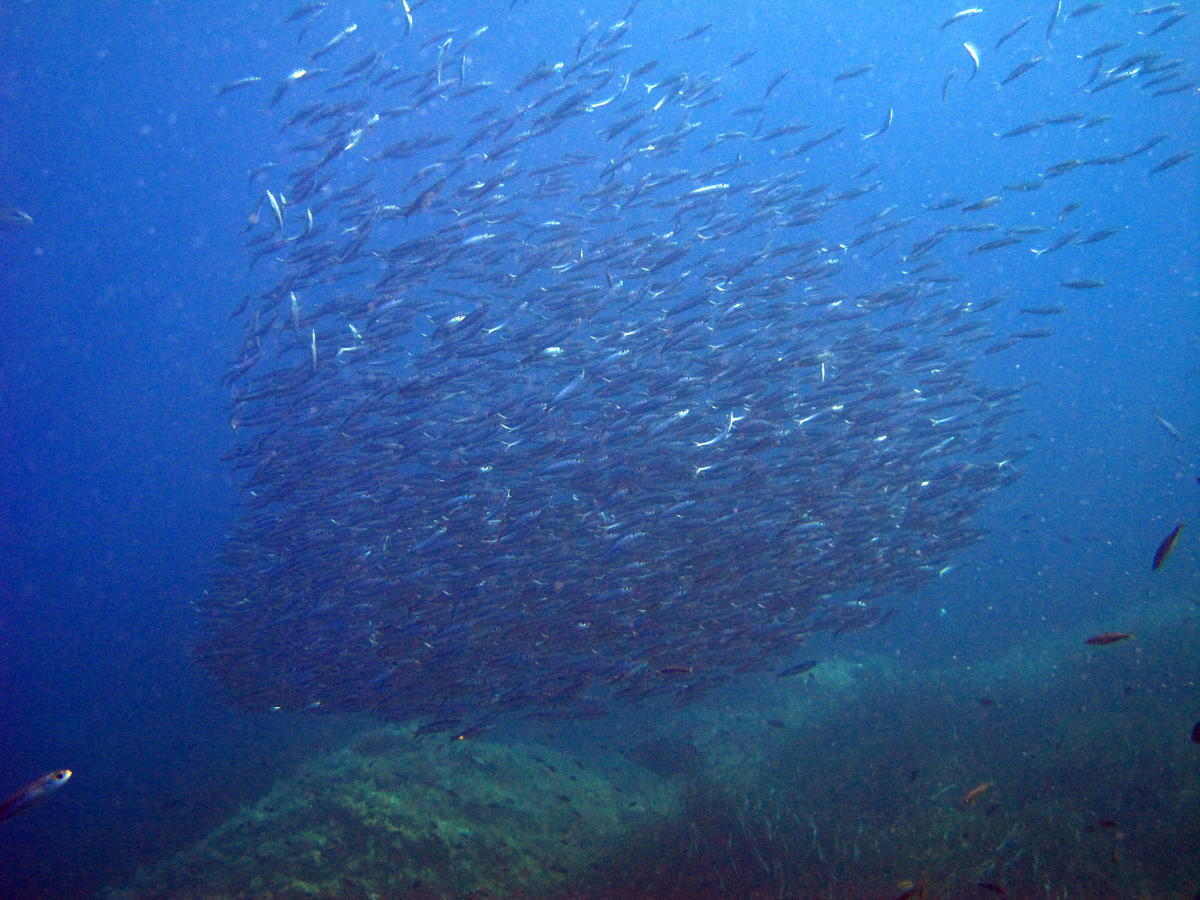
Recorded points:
1108,637
33,792
1165,548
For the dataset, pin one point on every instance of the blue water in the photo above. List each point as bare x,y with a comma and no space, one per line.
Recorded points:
115,332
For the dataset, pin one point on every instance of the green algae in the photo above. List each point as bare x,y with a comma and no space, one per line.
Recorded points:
417,818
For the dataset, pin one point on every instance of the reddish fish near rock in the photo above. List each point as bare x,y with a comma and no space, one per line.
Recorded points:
1108,637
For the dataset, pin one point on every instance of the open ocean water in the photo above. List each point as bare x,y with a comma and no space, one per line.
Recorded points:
600,449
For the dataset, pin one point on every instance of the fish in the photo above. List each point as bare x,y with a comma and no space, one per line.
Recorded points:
959,16
1097,236
304,11
238,83
1172,161
1012,32
946,85
887,123
985,203
675,669
1173,89
297,76
1168,427
1146,145
1165,548
694,33
1103,49
781,131
973,52
1085,285
471,732
334,41
976,792
1196,733
1085,10
276,206
34,792
774,83
1066,119
996,244
1111,80
1169,22
948,203
1108,637
437,726
1059,169
1027,128
12,218
854,73
798,668
817,141
1054,17
1020,70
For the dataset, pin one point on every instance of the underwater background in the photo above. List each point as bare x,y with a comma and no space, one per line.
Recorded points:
954,735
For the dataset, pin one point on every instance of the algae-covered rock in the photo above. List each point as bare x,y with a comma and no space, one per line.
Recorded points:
394,816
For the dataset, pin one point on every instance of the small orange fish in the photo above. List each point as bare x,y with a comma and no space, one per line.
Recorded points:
1109,637
974,793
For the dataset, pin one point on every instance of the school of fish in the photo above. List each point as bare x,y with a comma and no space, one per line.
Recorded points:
575,390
